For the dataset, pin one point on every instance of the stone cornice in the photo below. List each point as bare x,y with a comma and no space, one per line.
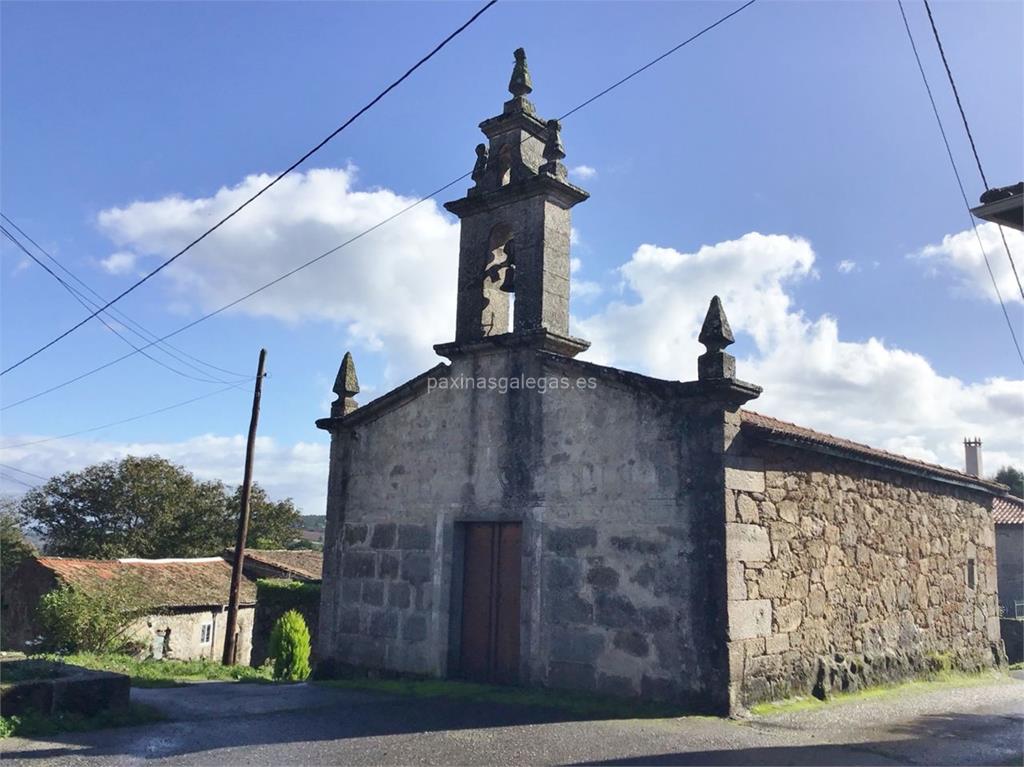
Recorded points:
562,192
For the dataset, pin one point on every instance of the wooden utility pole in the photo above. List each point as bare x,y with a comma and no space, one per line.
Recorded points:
243,520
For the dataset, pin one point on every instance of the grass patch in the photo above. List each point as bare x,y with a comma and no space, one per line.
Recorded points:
35,724
1017,666
165,673
934,682
582,705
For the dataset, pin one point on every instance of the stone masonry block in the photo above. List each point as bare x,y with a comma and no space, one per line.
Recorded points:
567,540
746,543
384,624
576,646
750,618
415,537
746,481
414,628
416,567
358,564
383,536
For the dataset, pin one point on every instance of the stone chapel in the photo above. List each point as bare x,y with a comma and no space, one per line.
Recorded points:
516,515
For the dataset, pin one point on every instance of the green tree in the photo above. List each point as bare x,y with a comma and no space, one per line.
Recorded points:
1013,478
272,524
137,507
14,546
289,647
95,620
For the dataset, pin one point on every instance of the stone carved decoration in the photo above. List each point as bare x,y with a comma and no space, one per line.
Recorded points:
520,83
554,151
716,335
346,386
481,163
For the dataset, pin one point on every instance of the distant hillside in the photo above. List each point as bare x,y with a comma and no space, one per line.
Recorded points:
314,522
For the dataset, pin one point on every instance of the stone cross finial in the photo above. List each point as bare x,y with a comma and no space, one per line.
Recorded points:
481,163
716,334
520,83
346,386
554,151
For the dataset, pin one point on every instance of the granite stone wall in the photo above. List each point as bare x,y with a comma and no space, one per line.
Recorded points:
842,575
618,492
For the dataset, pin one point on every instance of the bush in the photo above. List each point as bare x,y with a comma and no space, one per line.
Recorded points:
75,620
289,647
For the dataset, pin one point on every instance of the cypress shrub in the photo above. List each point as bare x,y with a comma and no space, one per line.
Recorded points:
289,647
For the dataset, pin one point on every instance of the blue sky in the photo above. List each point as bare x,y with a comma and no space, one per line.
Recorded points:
806,121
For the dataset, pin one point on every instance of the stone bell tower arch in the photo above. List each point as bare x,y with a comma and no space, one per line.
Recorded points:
515,228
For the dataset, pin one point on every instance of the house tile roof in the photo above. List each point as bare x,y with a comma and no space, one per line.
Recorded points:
1008,510
163,582
303,564
800,435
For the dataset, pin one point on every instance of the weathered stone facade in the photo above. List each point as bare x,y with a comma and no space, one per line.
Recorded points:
669,545
843,574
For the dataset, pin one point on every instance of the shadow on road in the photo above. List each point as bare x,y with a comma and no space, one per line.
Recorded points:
926,739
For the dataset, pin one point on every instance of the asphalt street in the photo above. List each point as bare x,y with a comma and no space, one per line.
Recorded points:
235,724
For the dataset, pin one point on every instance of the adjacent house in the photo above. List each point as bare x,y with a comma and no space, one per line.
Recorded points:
300,565
186,601
518,515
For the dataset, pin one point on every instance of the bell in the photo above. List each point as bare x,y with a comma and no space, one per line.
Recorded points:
508,284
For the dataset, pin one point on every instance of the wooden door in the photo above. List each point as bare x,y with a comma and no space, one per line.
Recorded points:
491,577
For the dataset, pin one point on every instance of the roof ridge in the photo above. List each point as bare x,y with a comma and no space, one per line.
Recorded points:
759,420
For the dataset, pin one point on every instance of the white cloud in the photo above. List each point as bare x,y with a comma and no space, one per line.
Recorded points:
846,266
298,471
121,262
959,254
585,289
574,265
393,289
863,390
583,172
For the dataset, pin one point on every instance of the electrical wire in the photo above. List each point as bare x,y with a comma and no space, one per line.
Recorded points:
251,199
88,305
168,349
371,229
123,420
970,136
22,471
956,172
9,478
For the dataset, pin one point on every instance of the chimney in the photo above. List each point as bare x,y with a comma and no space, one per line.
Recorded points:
972,456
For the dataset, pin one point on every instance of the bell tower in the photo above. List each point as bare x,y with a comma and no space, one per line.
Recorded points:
515,229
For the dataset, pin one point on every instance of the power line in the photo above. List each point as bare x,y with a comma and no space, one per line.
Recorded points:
369,230
9,478
959,182
970,136
245,204
123,420
88,305
22,471
171,351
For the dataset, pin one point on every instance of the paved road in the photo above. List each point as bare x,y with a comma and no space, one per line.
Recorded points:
231,724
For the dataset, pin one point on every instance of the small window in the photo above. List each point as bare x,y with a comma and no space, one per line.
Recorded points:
970,573
205,633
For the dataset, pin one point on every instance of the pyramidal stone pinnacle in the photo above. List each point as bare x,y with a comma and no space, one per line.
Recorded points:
346,386
716,334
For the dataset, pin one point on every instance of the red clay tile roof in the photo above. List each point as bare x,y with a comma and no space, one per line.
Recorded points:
304,564
163,582
799,434
1008,510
